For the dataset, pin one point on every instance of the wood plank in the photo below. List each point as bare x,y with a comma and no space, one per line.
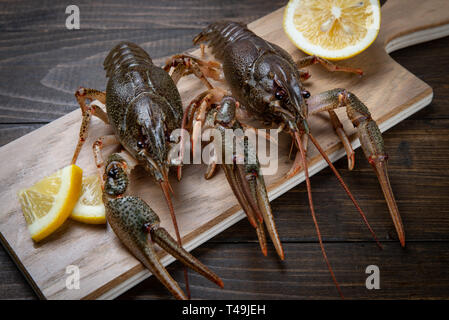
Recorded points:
372,70
418,272
12,282
10,132
134,15
162,29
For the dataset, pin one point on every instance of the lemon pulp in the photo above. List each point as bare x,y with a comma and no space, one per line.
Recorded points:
48,203
90,208
332,29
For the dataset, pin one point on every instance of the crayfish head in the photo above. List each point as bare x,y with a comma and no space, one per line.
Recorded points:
157,168
279,84
145,134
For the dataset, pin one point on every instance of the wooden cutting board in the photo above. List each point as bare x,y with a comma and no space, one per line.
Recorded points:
203,208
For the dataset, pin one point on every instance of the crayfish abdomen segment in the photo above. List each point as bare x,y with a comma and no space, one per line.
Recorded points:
124,56
233,44
221,34
261,75
132,73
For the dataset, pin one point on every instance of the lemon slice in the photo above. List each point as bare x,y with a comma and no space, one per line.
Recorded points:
90,208
332,29
48,203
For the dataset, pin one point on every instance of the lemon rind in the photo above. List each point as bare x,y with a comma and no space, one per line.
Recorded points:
89,214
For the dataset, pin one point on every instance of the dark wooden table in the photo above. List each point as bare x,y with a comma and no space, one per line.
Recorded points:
34,39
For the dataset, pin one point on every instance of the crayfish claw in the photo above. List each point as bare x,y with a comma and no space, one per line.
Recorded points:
137,226
265,208
166,242
131,219
262,238
249,188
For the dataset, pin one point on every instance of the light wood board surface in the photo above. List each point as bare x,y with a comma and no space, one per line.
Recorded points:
106,268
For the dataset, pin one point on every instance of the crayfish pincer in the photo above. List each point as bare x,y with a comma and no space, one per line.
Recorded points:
143,107
269,84
137,226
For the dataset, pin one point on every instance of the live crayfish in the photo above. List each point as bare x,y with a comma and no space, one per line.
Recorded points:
143,106
264,78
137,225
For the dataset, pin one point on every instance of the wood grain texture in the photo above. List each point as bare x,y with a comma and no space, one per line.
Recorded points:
339,225
304,275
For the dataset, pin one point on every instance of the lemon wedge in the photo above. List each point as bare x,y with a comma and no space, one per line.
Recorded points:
48,203
90,208
332,29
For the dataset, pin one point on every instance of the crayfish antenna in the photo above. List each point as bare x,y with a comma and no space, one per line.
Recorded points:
179,173
345,187
312,210
297,162
166,189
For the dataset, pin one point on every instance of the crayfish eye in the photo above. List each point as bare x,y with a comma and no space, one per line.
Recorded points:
113,173
147,227
305,94
280,94
140,144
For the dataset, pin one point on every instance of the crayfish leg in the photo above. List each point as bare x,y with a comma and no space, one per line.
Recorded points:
370,139
329,66
87,112
338,127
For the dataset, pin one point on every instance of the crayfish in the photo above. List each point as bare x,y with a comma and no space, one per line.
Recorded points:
268,84
143,107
